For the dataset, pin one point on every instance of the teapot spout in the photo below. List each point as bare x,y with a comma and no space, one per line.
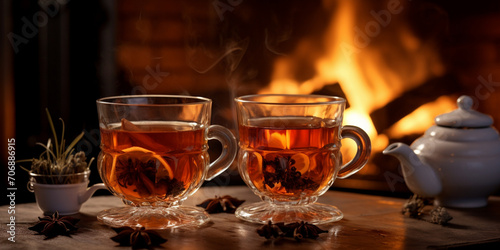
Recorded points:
420,178
83,197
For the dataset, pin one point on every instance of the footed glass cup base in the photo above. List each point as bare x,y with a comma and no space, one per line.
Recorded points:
154,217
262,212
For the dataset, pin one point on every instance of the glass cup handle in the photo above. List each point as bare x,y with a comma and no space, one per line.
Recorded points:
229,149
363,150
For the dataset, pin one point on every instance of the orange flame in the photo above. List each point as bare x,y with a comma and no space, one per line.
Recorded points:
374,56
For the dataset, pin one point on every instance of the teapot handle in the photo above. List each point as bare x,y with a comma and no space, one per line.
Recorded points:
363,143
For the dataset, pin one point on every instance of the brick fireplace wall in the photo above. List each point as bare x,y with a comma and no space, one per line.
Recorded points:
158,42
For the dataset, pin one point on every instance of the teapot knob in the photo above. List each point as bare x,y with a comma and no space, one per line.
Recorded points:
465,102
464,116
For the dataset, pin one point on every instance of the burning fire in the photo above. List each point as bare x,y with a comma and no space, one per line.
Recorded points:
424,114
374,59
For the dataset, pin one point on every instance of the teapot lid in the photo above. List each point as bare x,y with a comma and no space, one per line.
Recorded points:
464,116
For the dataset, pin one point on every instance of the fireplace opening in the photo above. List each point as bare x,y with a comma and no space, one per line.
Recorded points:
398,63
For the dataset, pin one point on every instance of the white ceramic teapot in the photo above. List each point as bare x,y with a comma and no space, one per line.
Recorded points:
457,161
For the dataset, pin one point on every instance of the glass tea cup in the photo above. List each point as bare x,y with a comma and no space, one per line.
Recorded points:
154,155
290,155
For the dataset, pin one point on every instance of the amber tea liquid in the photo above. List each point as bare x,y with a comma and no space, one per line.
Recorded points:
155,161
289,156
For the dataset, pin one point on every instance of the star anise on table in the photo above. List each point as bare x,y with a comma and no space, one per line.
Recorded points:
54,225
439,215
297,230
271,230
301,230
224,204
414,207
137,238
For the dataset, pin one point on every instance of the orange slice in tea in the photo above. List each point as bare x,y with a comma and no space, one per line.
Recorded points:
277,140
255,156
154,155
300,161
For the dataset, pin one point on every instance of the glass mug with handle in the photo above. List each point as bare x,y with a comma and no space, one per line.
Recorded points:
154,155
290,155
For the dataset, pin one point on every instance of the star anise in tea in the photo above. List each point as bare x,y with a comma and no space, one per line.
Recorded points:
128,169
137,238
297,230
281,170
54,225
171,186
142,174
224,204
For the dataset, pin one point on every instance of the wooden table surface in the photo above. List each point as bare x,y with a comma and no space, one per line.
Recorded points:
370,222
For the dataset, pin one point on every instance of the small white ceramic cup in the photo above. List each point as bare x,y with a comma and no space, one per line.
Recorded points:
66,199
